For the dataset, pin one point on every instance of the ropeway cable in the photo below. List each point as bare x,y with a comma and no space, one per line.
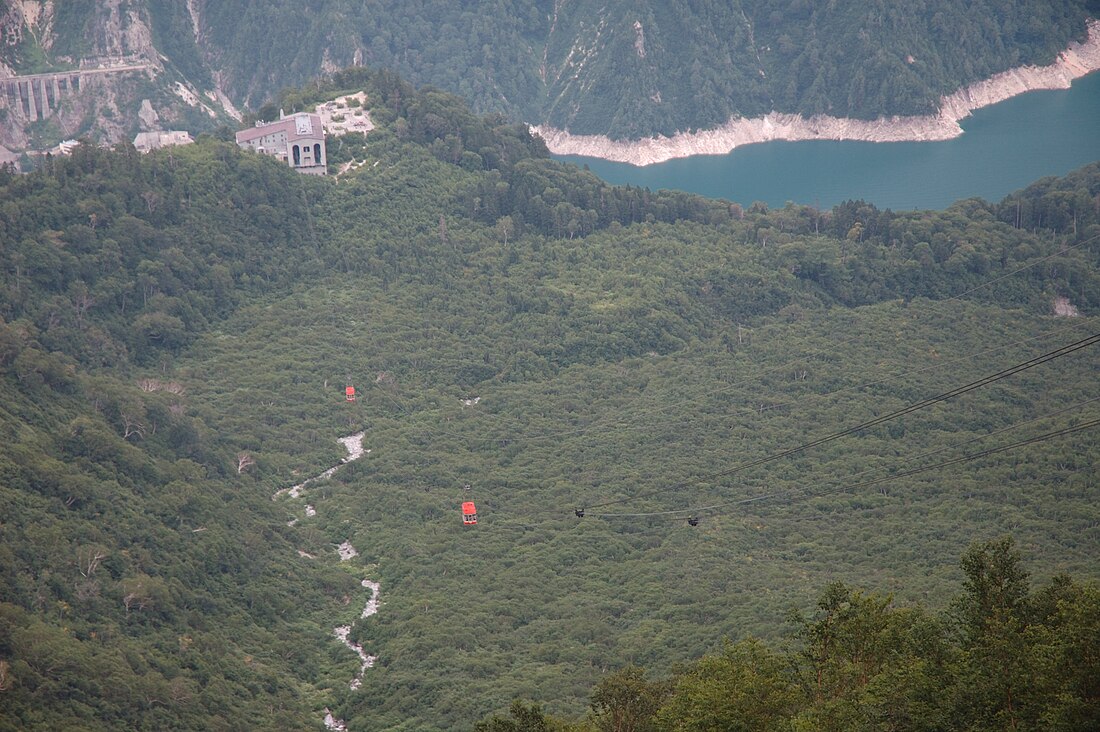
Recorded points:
697,510
607,423
965,458
634,424
923,404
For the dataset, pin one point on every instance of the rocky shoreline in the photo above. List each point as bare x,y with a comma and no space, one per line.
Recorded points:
1076,61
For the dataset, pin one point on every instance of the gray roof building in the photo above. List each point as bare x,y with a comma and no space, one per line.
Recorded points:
297,139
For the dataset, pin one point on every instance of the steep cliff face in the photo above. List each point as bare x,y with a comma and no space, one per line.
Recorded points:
20,23
41,35
94,70
1076,61
627,70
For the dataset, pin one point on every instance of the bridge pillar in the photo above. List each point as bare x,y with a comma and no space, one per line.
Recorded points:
32,110
45,105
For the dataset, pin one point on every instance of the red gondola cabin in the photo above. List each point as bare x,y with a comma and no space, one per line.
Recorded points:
349,394
469,513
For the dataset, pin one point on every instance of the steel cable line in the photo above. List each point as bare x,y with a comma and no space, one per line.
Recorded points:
610,421
533,522
923,404
964,458
854,387
983,453
696,510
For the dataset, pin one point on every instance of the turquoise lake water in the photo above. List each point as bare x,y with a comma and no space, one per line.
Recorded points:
1005,147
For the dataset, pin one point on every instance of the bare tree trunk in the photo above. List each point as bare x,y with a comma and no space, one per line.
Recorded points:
244,460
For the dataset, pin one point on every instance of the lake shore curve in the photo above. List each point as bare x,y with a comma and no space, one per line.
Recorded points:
1076,61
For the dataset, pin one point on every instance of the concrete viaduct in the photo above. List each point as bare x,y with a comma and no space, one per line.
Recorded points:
37,95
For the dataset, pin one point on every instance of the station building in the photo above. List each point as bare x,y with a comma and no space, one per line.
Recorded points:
296,139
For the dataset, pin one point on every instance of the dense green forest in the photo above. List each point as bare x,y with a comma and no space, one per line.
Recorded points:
630,69
178,328
624,69
1002,656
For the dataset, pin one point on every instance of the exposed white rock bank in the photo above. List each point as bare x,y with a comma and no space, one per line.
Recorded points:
352,443
341,632
331,722
354,446
346,551
1063,308
1076,61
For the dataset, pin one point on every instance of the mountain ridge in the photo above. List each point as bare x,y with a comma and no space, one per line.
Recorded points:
624,70
1076,61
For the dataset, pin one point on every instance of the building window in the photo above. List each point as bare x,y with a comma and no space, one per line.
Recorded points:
317,153
297,156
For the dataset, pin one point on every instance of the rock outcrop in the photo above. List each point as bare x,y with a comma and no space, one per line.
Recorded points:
119,80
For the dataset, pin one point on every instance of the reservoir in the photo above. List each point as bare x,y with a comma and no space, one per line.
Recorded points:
1005,147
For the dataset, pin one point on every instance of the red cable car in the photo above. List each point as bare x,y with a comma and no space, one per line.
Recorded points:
349,394
469,513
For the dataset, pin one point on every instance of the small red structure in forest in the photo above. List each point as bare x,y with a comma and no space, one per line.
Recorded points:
349,394
469,513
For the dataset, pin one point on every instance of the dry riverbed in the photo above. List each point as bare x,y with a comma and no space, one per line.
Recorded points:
354,446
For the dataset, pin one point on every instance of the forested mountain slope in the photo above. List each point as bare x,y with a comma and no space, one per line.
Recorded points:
522,335
146,584
1004,655
623,69
629,69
